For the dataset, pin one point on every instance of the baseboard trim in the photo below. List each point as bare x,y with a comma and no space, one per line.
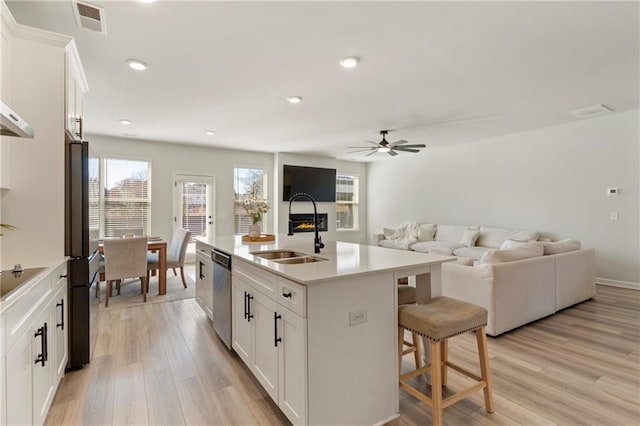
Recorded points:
616,283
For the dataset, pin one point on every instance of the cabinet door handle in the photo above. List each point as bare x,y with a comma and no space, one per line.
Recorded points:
245,305
249,314
200,273
46,343
276,339
61,305
40,357
287,295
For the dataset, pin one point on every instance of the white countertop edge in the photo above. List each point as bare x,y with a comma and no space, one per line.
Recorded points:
8,300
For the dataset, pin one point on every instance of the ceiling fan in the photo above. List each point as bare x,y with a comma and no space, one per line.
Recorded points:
385,146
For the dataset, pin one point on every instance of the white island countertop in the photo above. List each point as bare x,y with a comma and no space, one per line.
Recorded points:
342,259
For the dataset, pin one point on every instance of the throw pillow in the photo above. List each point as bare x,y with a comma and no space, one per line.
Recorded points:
562,246
470,237
427,232
527,250
387,232
510,244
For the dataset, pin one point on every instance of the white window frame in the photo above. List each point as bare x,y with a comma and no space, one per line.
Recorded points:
355,204
102,168
265,194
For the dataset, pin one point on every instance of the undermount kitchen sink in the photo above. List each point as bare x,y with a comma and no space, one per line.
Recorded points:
277,254
287,257
296,260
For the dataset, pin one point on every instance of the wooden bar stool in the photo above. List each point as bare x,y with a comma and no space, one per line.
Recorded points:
439,320
407,296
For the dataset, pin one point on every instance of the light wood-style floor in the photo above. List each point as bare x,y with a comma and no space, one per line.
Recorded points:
163,364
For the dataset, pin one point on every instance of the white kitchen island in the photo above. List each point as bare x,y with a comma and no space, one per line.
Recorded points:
321,337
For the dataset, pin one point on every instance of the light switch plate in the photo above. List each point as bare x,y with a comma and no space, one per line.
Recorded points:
357,317
613,191
613,215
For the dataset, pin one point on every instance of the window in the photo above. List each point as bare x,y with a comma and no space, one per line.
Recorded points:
124,195
247,182
346,202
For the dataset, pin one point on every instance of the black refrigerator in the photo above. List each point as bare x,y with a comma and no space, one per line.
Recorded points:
81,246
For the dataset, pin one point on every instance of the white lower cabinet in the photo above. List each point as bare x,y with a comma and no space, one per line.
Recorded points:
204,279
272,340
34,348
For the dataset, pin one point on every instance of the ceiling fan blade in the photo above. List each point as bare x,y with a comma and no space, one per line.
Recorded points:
392,153
375,143
361,150
371,153
406,149
362,147
416,145
400,142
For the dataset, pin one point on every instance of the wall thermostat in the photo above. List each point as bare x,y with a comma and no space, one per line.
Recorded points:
613,191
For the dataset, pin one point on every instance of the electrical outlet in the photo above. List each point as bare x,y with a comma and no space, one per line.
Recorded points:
613,191
613,215
357,317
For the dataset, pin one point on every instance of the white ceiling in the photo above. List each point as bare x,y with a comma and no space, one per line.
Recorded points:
438,73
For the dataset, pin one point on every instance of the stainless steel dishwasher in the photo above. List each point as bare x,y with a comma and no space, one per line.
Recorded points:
222,295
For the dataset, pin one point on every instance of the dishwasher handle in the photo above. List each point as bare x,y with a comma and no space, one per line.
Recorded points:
222,259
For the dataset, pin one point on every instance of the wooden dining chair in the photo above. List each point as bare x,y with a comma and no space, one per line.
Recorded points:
125,258
175,254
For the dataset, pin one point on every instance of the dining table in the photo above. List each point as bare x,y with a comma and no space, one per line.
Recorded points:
154,244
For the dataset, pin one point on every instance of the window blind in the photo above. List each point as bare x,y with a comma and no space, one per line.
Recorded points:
127,198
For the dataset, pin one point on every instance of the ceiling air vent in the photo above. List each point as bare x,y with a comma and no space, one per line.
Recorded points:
90,17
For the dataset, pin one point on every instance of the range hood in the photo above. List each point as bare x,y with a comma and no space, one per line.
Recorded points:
12,125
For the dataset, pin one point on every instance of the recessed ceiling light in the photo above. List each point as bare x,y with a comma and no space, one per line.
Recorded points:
209,133
137,65
349,61
147,1
294,99
125,122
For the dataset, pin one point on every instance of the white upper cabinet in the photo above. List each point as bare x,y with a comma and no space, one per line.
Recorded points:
76,87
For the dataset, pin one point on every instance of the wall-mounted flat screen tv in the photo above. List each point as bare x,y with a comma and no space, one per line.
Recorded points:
317,182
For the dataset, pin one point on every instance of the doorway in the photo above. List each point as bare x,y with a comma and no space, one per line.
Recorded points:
194,208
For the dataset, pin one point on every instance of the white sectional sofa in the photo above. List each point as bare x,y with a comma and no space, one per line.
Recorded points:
515,277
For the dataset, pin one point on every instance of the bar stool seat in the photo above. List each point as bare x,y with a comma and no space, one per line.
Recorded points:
439,320
406,294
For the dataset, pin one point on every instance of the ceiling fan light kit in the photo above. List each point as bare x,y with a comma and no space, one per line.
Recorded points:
389,148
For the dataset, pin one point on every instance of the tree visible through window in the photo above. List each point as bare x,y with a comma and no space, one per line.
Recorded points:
247,183
346,202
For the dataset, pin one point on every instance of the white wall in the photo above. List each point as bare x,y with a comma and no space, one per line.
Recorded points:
347,167
168,159
552,180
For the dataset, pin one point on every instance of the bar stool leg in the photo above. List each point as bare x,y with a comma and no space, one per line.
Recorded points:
436,383
417,354
444,357
483,353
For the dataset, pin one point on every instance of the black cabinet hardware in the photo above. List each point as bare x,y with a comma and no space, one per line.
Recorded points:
288,295
276,339
43,356
46,342
200,273
61,305
249,314
245,305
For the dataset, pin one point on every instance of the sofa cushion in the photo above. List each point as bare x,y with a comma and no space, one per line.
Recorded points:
474,253
470,237
451,233
427,231
442,247
532,249
466,261
494,237
555,247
